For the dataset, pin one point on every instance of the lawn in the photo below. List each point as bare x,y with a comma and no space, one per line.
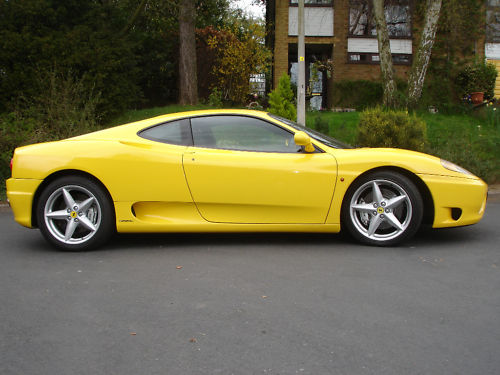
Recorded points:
470,141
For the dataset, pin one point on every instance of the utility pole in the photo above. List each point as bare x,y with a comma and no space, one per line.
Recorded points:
301,87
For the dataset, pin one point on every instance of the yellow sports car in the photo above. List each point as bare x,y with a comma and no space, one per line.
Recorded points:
232,171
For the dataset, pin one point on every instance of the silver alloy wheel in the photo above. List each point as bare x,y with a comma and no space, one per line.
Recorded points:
380,210
72,214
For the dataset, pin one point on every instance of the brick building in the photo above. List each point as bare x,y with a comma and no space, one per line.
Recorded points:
343,31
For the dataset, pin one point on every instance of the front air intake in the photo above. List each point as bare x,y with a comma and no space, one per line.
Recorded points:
456,213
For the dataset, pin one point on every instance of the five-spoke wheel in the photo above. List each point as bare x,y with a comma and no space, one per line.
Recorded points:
382,208
74,213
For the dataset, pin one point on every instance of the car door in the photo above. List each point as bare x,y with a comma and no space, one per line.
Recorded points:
246,170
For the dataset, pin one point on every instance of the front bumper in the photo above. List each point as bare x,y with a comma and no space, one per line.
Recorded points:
457,201
20,193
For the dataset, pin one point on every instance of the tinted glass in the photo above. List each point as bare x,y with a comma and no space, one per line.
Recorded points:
175,132
241,133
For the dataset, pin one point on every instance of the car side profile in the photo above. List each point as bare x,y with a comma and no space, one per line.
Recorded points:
232,171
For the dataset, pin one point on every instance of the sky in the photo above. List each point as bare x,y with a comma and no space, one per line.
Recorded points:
248,6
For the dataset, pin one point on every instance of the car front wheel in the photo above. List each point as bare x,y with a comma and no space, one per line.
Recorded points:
74,213
383,208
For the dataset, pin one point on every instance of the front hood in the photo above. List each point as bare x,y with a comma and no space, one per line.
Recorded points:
416,162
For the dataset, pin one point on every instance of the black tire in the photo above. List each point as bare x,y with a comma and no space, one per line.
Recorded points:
383,208
75,213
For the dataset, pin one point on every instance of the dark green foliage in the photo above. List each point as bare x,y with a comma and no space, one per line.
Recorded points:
363,94
460,31
131,61
215,98
281,99
40,36
440,89
380,128
477,77
357,94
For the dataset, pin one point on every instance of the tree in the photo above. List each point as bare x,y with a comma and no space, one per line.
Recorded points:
421,62
384,49
77,39
188,83
422,57
281,99
229,56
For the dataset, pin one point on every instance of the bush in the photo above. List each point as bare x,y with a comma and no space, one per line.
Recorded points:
357,94
478,77
379,128
281,99
215,98
67,106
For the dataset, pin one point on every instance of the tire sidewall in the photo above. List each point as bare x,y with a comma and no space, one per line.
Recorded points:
106,227
413,195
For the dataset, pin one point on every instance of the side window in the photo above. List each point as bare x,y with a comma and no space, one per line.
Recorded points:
174,132
241,133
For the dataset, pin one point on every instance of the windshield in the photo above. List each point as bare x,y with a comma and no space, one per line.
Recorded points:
329,141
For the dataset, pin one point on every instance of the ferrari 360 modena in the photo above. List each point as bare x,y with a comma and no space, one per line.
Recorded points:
233,171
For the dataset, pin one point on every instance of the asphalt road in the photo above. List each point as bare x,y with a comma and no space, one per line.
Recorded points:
252,304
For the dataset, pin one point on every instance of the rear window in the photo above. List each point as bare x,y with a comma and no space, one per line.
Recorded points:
174,132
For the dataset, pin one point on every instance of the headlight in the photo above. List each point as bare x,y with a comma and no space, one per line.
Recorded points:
453,167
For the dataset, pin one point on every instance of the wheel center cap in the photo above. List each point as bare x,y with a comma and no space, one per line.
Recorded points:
73,214
380,210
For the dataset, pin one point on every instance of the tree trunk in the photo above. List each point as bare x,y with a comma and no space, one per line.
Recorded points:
188,82
384,51
423,55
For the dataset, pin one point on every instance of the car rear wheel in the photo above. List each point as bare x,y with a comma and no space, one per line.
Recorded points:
74,213
383,208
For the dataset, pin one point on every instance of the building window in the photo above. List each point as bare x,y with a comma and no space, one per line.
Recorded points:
374,58
397,15
318,21
493,21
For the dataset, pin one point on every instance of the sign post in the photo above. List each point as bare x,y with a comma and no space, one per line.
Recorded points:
301,86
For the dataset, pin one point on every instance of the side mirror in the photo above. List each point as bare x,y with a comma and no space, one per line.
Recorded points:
302,139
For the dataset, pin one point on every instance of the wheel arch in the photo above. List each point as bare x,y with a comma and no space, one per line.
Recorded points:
424,191
63,173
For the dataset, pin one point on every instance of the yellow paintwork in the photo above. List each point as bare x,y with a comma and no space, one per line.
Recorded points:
252,187
302,139
157,187
20,194
497,80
